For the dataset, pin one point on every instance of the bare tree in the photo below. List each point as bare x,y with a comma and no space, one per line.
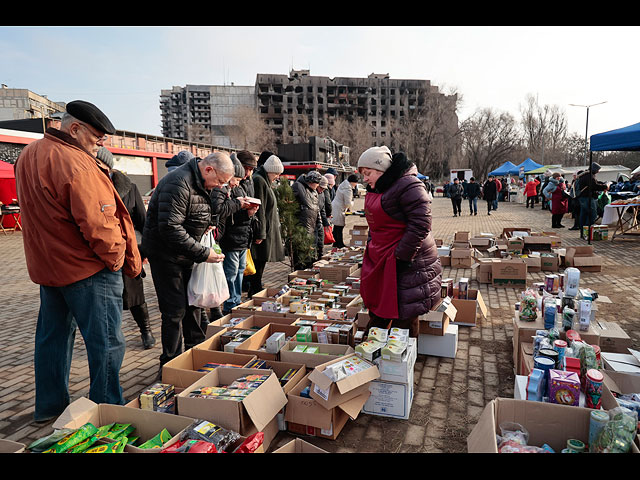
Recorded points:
544,130
250,131
489,140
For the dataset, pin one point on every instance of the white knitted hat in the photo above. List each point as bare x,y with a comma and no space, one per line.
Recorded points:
273,165
378,158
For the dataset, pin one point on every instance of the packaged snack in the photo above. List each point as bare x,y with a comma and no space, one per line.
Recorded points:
65,443
210,432
251,444
158,440
191,446
45,443
113,447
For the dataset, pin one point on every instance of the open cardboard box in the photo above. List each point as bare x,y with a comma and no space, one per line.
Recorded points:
548,423
612,338
9,446
268,295
313,273
330,394
306,415
327,351
435,322
583,258
148,423
467,309
255,343
390,399
619,382
509,231
297,445
255,413
182,370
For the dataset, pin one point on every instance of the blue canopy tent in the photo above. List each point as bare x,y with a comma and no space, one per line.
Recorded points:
528,165
506,168
622,139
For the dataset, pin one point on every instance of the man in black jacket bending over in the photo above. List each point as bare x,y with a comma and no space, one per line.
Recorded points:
179,213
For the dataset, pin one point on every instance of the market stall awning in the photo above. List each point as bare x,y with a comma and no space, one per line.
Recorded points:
506,168
621,139
541,170
528,165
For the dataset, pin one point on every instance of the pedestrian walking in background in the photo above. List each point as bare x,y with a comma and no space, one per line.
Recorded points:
401,272
267,244
559,204
490,192
456,192
78,240
342,202
179,214
473,192
498,190
133,298
588,190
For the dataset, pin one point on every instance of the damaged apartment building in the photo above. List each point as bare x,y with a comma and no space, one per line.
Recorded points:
297,102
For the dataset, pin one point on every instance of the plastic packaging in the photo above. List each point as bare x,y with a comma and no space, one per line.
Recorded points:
212,433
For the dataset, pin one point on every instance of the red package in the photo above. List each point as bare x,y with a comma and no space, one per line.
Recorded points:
251,444
191,446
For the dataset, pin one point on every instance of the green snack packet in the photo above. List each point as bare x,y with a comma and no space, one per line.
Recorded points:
83,445
65,443
44,443
104,448
157,441
119,429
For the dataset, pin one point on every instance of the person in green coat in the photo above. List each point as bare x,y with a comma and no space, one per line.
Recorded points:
267,244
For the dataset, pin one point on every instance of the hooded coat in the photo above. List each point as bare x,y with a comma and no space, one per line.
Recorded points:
419,272
342,200
559,201
309,212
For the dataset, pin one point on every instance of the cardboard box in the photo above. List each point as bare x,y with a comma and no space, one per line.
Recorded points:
482,243
510,273
182,370
402,371
147,422
297,445
550,263
533,263
439,346
515,245
546,423
583,258
253,414
390,399
462,236
8,446
312,273
612,338
510,231
445,261
534,243
268,295
360,230
623,383
327,352
330,394
307,416
621,362
461,257
483,269
359,240
254,345
436,322
467,310
337,272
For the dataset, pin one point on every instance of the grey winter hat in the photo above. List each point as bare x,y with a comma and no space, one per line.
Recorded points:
238,169
324,183
377,158
105,155
273,165
595,167
314,177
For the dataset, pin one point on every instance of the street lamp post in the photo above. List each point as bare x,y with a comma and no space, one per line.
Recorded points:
590,168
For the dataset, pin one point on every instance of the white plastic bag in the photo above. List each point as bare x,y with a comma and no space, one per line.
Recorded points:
207,286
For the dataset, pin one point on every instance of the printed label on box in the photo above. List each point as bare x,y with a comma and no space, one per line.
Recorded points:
323,393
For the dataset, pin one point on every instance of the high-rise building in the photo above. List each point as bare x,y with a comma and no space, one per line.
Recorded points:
202,113
299,104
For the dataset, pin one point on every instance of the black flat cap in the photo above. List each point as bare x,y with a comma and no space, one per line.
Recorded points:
89,113
247,159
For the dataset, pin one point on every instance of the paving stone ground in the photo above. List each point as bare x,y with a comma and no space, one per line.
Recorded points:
449,394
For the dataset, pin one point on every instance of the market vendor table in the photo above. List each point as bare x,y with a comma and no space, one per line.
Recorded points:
615,214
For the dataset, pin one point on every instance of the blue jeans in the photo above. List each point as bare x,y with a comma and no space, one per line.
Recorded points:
95,306
473,205
235,261
495,204
585,218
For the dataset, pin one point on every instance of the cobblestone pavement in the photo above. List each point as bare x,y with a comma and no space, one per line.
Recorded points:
449,394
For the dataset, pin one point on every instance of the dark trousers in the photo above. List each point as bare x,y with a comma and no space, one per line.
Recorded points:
180,321
556,219
456,202
337,236
531,201
255,281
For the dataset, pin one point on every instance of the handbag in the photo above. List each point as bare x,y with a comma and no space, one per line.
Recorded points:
328,235
250,269
207,287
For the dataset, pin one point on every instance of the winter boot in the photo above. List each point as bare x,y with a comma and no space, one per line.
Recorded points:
141,316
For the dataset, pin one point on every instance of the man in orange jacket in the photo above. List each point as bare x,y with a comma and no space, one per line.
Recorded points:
78,239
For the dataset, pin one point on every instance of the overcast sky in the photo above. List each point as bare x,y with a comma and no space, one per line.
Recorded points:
123,69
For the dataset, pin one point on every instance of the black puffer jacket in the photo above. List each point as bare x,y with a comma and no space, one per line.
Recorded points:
404,198
235,229
309,213
178,215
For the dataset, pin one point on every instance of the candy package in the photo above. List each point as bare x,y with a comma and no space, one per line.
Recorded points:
528,306
212,433
191,446
618,433
158,440
251,444
69,441
47,442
